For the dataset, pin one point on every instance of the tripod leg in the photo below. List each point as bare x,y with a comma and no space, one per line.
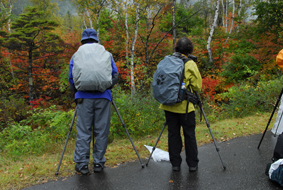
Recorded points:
278,100
155,144
208,126
127,132
70,129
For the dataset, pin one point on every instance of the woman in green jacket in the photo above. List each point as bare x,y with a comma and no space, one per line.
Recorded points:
176,115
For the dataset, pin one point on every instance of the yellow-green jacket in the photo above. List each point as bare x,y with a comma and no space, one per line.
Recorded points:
193,77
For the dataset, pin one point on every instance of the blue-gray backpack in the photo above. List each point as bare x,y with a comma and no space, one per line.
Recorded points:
92,70
168,78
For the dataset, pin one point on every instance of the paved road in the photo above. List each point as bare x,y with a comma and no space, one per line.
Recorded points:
245,170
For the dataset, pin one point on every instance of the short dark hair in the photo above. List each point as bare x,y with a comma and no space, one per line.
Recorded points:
89,40
184,46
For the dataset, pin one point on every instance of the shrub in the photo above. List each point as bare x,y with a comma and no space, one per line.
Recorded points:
246,99
141,114
36,134
208,87
13,109
241,67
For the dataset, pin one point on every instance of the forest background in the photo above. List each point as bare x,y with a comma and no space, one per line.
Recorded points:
235,41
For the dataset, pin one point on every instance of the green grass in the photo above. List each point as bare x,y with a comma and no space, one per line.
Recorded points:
32,170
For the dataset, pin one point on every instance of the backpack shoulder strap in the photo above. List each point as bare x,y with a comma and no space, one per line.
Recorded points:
185,60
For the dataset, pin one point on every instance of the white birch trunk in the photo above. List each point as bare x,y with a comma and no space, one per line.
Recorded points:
9,20
173,22
9,31
88,16
133,86
212,31
209,14
84,21
223,14
127,32
97,26
232,21
239,14
227,6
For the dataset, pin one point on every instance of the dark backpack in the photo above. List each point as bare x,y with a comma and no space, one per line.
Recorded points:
168,78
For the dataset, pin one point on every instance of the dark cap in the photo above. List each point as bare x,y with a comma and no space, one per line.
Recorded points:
89,34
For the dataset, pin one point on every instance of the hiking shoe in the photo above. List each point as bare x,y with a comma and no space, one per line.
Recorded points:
97,168
176,168
267,169
193,169
84,170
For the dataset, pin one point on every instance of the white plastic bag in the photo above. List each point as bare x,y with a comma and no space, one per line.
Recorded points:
158,154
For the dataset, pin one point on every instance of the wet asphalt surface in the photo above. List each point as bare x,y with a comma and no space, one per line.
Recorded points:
245,167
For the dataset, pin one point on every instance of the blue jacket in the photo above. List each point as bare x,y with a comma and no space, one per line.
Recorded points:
83,94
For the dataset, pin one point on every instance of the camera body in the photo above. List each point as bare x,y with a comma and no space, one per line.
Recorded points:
194,58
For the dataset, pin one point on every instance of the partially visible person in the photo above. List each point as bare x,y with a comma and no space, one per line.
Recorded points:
176,114
278,125
93,114
274,170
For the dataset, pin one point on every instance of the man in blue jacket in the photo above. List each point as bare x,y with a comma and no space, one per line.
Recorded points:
93,110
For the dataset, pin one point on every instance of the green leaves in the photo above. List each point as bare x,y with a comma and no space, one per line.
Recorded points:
240,68
269,16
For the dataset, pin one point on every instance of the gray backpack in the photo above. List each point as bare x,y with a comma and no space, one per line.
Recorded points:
168,78
92,70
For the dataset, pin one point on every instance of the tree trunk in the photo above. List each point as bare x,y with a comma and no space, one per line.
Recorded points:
232,22
9,31
84,21
88,16
212,31
227,6
133,86
223,14
239,14
30,75
127,32
173,23
97,26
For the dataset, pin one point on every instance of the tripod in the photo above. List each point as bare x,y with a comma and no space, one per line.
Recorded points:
277,102
70,129
127,132
208,125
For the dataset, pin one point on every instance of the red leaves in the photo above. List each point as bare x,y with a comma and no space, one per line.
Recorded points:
41,102
208,87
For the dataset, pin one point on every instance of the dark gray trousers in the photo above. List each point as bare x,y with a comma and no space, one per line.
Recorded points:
92,114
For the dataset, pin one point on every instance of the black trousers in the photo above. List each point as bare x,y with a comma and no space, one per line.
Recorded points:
174,122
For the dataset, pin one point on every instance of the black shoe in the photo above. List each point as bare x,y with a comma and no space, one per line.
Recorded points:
267,169
97,168
176,168
84,170
193,169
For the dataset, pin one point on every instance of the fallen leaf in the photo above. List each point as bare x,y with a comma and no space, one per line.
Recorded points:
170,181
